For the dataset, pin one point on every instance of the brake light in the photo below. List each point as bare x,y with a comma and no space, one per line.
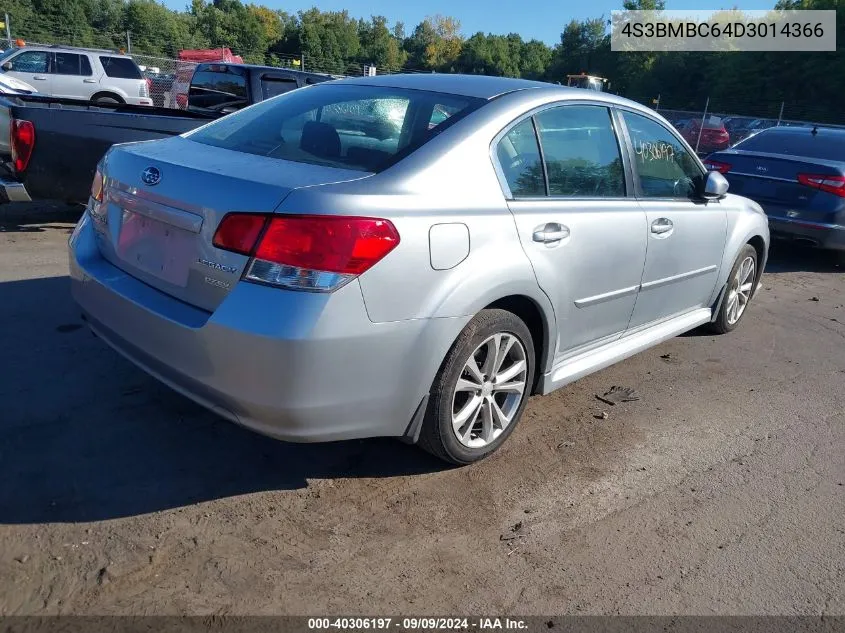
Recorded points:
715,165
238,232
145,88
22,135
830,184
97,186
307,252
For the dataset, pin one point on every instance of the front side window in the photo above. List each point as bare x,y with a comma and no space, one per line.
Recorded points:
121,67
30,62
212,90
519,159
367,128
581,152
664,166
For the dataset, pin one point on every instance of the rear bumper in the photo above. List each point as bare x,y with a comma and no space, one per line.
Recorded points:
12,191
820,234
292,365
143,101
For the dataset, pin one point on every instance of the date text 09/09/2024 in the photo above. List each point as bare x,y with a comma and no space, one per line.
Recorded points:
410,624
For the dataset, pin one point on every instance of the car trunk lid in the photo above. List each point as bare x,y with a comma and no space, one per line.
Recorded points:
772,181
163,201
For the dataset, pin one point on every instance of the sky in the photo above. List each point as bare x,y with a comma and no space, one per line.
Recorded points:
532,19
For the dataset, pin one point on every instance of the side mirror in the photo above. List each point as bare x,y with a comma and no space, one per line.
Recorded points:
7,66
715,186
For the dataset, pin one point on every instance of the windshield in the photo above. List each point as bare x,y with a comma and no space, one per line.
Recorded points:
7,53
367,128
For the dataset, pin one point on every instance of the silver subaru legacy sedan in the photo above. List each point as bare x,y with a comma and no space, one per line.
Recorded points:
408,256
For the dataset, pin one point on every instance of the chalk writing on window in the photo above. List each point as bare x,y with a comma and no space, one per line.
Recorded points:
654,151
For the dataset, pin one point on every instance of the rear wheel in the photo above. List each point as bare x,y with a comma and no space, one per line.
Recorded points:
106,98
481,390
738,293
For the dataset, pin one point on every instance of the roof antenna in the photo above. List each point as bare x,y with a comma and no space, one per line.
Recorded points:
815,130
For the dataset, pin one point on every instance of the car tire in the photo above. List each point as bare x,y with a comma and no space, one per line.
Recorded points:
488,396
737,292
106,99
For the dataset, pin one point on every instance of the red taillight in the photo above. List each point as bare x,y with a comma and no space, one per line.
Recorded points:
715,165
346,245
238,232
831,184
22,135
307,252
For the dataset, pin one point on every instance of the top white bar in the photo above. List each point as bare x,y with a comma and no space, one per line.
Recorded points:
723,30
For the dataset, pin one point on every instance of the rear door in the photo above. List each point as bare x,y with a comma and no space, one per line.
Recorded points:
585,237
33,67
72,76
686,236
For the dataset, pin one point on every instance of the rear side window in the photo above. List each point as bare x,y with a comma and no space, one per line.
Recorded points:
120,67
519,159
212,90
803,143
71,64
581,152
367,128
275,86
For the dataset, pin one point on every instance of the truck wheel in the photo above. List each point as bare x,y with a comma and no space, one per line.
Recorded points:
481,390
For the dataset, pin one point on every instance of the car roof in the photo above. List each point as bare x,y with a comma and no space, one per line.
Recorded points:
267,68
74,49
480,86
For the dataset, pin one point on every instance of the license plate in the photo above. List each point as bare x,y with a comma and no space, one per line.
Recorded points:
157,248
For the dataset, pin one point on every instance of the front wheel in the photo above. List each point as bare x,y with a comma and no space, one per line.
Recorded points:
481,390
739,291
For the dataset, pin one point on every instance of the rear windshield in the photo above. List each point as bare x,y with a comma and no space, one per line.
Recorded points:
367,128
773,141
214,91
121,67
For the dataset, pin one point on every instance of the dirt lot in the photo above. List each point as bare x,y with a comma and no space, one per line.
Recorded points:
719,491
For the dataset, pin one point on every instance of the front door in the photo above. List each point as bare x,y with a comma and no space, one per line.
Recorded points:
32,67
686,235
585,238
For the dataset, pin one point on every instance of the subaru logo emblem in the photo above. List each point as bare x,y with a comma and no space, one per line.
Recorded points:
150,176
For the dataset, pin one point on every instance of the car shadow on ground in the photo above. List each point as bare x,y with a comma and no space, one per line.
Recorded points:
37,217
789,257
85,436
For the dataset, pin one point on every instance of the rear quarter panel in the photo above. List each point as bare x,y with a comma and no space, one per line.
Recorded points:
450,180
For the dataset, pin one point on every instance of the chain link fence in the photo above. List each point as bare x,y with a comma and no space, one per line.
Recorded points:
716,125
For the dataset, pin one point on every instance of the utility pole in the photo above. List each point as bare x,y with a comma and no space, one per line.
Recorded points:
780,116
8,31
701,129
302,61
128,43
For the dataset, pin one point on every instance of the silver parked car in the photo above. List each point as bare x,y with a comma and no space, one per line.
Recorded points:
408,256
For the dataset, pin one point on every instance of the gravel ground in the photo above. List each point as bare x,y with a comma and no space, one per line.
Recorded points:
719,491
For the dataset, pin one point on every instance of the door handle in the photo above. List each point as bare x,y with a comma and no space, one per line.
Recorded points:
550,233
89,81
661,226
39,78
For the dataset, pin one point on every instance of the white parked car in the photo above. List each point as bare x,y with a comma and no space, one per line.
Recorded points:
101,76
